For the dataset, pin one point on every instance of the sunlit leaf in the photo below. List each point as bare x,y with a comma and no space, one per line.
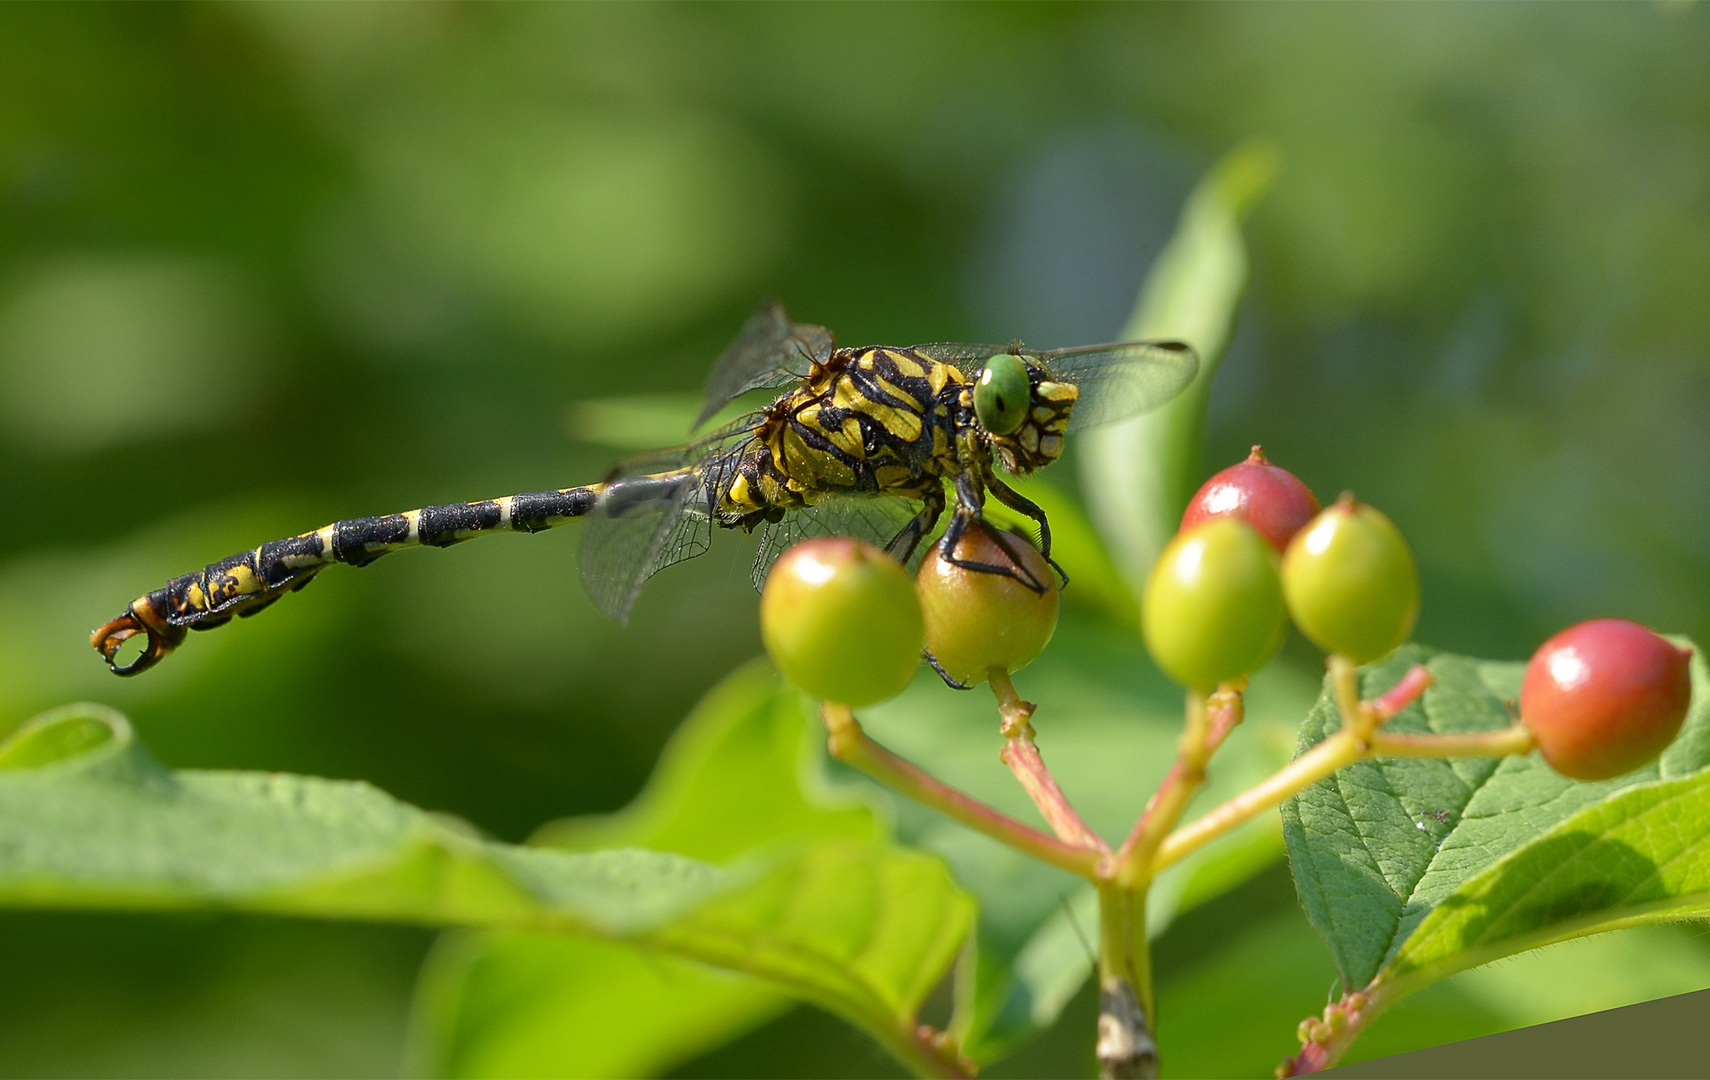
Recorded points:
857,926
736,776
1413,869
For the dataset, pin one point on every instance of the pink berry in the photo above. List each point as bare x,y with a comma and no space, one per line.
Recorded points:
1605,697
1269,498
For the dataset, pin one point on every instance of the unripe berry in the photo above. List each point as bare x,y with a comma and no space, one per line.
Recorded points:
840,619
1605,697
1213,609
1265,496
1350,581
976,620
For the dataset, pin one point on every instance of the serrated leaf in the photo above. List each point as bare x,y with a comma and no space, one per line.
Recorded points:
1642,855
1387,847
860,927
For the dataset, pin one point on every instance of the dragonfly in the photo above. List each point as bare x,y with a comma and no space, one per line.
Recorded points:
859,442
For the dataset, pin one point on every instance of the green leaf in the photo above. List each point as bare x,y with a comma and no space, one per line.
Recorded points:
1412,868
1640,856
110,827
861,928
529,1004
740,773
1139,475
56,735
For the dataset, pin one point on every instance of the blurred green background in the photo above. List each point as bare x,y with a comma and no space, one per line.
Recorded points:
268,265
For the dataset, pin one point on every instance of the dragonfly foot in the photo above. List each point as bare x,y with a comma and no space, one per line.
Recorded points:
945,675
1016,571
1061,573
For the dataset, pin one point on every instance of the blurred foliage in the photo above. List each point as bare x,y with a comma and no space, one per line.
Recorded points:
264,266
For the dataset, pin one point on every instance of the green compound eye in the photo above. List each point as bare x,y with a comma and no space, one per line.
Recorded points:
1001,398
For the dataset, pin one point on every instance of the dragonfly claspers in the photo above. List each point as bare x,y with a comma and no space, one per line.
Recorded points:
859,442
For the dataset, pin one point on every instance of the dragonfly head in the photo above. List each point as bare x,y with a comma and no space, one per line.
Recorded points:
1023,412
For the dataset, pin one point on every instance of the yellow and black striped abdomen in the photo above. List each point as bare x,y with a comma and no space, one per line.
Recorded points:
249,581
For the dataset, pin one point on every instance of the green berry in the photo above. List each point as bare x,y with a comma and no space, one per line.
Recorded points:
1350,582
840,619
977,620
1605,697
1213,609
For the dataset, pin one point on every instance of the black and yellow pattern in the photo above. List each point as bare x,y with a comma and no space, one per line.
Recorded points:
249,581
857,423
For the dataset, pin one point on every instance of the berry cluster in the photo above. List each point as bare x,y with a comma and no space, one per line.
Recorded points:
1255,551
1599,699
842,621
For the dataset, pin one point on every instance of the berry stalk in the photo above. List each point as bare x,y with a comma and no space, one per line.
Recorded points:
1022,756
852,746
1356,740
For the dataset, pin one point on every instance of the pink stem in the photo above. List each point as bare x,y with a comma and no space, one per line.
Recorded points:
849,744
1022,756
1398,697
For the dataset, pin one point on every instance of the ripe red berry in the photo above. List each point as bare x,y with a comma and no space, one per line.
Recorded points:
1268,497
1605,697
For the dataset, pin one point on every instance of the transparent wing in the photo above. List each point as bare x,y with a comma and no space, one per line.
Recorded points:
720,442
967,357
1121,380
640,526
876,519
656,511
770,351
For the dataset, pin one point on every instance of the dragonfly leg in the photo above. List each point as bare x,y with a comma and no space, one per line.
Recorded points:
1016,571
942,674
921,525
1021,504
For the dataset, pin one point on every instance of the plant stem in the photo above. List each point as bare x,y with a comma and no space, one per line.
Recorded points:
1510,740
1021,754
1132,865
1227,710
1356,740
1341,748
849,744
1126,1048
1345,687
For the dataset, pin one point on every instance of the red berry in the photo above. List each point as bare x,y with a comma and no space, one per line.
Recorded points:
1269,498
1605,697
